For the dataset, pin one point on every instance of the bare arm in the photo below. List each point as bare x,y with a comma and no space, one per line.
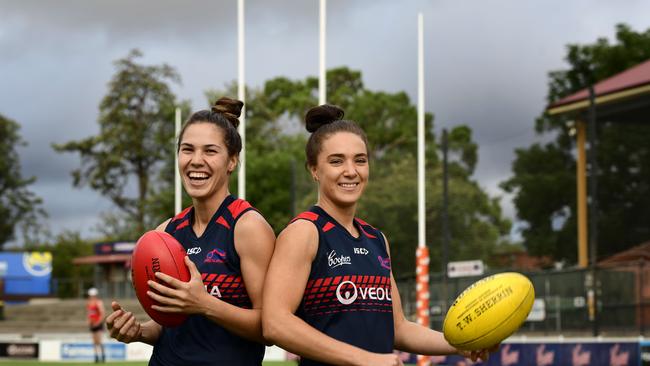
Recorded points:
418,339
413,337
285,284
254,240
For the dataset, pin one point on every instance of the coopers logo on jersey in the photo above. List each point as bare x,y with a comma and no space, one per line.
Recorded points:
333,261
347,292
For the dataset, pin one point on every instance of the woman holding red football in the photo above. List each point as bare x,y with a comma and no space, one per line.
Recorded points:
229,245
330,296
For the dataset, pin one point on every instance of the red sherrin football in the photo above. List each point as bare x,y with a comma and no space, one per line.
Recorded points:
157,251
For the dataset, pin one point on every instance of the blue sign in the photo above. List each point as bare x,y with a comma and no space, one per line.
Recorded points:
27,273
86,351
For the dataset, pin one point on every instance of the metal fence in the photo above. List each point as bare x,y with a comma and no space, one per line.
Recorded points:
567,297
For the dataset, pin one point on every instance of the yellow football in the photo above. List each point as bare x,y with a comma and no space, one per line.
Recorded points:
489,311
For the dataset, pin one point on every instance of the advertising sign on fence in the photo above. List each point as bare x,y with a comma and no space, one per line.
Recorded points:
645,353
465,268
85,351
18,350
550,354
27,273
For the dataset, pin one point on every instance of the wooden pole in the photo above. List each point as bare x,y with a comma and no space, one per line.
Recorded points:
581,174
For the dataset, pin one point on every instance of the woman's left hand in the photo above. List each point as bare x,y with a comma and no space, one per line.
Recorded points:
176,296
483,354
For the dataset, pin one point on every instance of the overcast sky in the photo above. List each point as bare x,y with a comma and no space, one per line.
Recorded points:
486,66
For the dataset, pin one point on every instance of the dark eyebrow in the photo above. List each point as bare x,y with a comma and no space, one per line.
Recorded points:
336,156
343,155
213,146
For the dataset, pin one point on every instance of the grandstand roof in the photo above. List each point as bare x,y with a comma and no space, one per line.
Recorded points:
639,253
629,84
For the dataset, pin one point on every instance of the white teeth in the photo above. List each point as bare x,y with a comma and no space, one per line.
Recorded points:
348,185
197,175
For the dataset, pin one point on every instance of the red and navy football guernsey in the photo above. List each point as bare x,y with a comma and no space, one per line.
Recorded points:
200,341
348,294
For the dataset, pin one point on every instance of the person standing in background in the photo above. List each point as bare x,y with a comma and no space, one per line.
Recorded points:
95,311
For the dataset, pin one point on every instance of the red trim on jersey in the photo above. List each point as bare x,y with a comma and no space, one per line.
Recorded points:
328,227
307,216
182,214
363,222
182,225
237,207
223,222
368,235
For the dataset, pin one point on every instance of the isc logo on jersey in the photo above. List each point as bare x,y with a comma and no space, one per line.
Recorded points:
347,292
195,250
362,251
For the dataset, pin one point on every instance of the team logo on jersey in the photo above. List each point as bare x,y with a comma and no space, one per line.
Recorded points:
215,256
214,291
362,251
384,262
336,261
347,293
195,250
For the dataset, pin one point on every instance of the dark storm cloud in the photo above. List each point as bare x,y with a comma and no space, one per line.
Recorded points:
486,65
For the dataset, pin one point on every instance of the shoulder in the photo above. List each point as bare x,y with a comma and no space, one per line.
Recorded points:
163,225
300,229
252,220
299,239
253,236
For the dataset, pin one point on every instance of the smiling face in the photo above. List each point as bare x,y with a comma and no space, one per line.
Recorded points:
342,169
203,161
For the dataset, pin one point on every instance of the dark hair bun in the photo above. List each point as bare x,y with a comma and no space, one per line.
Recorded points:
230,108
322,115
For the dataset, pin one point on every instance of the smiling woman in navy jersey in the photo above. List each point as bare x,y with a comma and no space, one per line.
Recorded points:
330,296
229,245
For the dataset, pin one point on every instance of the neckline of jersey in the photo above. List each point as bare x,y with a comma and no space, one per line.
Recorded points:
226,201
338,224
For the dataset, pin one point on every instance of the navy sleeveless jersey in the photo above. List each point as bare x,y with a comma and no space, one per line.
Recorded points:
348,294
200,341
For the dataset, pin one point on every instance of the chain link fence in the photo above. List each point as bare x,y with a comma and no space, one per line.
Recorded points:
606,301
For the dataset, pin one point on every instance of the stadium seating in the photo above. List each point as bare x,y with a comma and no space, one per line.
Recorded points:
55,316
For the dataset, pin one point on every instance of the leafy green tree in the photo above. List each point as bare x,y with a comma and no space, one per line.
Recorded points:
543,180
18,205
136,137
276,140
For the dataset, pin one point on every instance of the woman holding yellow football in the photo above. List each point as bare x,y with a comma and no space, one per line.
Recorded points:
330,295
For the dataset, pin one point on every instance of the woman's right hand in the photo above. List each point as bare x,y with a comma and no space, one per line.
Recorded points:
122,325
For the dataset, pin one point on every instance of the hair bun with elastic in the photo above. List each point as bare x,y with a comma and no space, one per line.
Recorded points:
230,108
322,115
